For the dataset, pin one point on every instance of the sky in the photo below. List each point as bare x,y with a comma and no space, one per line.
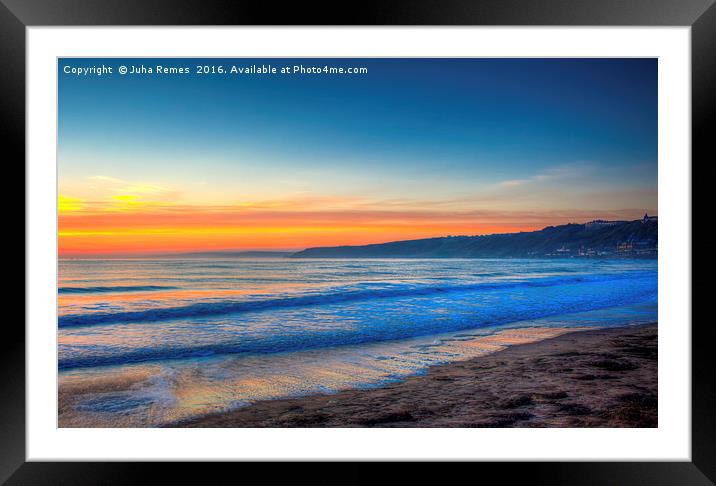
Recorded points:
412,148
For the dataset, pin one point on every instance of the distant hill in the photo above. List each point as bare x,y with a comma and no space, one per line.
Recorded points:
610,239
232,254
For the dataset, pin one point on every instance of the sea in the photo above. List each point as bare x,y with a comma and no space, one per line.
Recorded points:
154,342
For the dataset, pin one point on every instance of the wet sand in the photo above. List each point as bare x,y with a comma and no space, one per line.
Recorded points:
594,378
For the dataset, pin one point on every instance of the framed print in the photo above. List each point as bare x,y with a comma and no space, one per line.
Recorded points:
455,234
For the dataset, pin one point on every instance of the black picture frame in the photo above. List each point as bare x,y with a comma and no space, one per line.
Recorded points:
16,15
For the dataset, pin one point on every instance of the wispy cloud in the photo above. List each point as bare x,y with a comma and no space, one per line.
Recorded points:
104,193
66,204
105,179
145,215
557,173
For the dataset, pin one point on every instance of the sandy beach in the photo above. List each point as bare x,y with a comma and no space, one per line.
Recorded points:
594,378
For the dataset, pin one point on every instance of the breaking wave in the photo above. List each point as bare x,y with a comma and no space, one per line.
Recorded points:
232,307
103,290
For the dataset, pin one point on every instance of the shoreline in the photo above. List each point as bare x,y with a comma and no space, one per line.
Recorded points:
586,378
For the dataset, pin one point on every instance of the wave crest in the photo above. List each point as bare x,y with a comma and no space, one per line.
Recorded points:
102,290
232,307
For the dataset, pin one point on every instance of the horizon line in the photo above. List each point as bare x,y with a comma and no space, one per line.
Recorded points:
156,254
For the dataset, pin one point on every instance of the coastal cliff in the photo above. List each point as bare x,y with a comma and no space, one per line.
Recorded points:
604,239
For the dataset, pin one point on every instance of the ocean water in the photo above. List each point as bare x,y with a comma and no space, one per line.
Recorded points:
152,342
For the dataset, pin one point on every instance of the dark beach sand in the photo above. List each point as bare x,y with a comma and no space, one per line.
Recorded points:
594,378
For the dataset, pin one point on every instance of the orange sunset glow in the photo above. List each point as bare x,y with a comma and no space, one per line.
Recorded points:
187,228
132,225
182,164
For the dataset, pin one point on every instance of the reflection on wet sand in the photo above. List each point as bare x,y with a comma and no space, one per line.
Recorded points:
151,395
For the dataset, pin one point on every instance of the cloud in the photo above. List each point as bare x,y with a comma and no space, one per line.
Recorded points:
101,178
557,173
66,204
111,193
143,189
514,182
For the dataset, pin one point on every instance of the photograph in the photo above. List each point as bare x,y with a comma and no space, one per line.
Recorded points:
344,242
